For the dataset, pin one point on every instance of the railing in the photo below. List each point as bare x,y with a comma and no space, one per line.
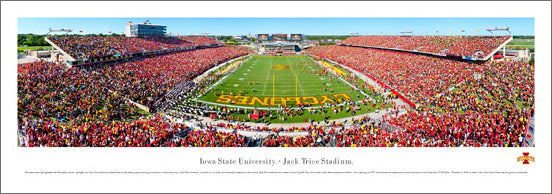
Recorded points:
434,54
496,50
67,56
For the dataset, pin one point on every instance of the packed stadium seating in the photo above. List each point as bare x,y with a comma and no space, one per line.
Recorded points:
101,93
152,132
91,47
417,77
449,45
491,109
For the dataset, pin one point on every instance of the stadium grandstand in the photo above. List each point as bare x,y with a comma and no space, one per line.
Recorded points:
466,47
366,91
82,50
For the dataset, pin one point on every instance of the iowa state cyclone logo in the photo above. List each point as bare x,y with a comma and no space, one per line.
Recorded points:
526,158
280,67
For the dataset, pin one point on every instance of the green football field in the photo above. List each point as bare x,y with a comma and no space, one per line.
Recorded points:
269,81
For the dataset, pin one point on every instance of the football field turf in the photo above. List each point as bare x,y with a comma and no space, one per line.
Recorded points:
269,81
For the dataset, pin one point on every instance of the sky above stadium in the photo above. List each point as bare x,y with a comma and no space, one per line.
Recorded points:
307,26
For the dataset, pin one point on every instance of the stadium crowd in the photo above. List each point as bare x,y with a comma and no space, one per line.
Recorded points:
91,47
450,45
155,131
47,91
417,77
200,138
137,133
490,109
357,132
102,93
148,79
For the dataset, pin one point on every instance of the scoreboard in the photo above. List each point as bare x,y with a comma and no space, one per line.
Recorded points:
297,37
279,36
262,37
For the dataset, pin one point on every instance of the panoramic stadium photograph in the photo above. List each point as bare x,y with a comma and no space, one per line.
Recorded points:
275,82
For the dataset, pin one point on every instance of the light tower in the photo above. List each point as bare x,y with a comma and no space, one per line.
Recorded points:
507,29
66,30
405,32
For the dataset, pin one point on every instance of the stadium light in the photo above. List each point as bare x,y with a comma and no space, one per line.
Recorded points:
406,32
507,29
66,30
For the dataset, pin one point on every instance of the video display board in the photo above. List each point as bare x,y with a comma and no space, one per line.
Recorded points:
297,37
262,37
279,36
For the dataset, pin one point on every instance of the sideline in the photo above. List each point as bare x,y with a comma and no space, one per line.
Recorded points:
221,79
204,74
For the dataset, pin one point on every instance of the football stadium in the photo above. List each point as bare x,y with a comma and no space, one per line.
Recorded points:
148,88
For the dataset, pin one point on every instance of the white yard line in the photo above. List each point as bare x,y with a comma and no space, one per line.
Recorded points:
296,77
267,76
